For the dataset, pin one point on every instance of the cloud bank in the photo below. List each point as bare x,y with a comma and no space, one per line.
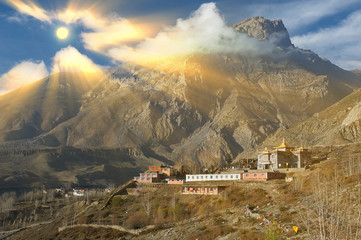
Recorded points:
205,31
22,74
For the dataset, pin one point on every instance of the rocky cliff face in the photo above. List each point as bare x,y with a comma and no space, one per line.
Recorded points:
264,29
201,108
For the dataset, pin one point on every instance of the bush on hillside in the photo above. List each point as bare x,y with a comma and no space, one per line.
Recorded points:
137,220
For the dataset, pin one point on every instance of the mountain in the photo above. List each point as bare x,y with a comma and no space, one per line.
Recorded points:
200,109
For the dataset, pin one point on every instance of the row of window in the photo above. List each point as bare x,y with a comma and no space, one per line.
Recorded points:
255,175
196,189
148,174
213,177
157,168
143,179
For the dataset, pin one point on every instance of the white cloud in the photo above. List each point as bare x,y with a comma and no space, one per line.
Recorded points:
205,31
341,43
31,9
69,59
16,18
110,32
22,74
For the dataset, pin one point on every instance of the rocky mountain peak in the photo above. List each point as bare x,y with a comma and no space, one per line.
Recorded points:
265,29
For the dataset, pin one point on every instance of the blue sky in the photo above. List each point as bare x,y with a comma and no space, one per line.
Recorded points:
331,28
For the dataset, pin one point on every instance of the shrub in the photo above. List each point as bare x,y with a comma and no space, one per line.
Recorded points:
83,219
227,230
116,201
229,212
202,210
202,228
283,208
219,220
273,233
159,222
137,220
178,210
211,233
161,213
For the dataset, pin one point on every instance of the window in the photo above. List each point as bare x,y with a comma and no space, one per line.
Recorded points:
201,177
206,177
210,177
247,175
197,177
192,177
221,176
262,174
188,177
231,176
226,176
255,175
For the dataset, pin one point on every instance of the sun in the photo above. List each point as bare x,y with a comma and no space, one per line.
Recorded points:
62,32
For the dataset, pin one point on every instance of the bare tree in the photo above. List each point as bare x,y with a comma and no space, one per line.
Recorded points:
7,201
331,211
146,202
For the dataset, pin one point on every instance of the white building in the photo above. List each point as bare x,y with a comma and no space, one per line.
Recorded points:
213,177
284,156
78,192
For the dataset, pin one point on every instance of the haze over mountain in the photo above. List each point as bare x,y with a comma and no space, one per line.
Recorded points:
200,108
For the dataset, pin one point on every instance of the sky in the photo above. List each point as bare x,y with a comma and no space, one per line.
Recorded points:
108,32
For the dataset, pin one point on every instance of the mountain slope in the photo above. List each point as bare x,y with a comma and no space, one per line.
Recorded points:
39,107
337,124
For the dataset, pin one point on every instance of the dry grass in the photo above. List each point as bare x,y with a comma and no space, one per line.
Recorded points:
85,233
251,235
